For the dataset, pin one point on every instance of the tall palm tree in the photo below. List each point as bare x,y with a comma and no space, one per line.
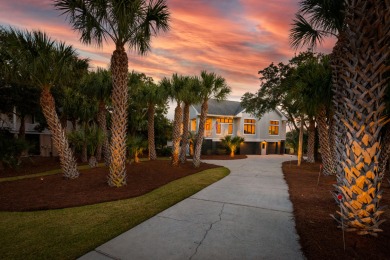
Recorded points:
325,18
175,88
125,22
360,82
152,95
365,81
47,64
190,96
212,86
98,84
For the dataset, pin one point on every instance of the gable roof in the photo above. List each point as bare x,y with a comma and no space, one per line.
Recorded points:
223,108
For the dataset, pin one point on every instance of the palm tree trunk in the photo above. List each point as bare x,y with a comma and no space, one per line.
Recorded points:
199,138
176,135
84,153
151,143
105,146
311,141
184,143
385,153
60,142
337,127
365,50
231,153
119,69
326,151
300,143
22,128
100,116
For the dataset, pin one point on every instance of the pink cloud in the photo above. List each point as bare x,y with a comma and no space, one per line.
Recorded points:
233,38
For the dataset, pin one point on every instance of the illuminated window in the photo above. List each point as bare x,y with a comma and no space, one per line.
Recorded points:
208,124
273,127
249,126
228,121
193,125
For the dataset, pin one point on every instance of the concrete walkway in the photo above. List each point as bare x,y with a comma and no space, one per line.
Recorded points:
246,215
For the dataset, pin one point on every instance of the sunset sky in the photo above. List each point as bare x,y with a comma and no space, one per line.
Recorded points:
234,38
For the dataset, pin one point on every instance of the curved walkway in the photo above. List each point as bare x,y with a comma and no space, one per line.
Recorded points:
246,215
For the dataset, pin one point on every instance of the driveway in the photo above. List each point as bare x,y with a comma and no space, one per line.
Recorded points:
246,215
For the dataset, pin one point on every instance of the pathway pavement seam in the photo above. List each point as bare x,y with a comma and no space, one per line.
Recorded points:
106,255
243,205
207,231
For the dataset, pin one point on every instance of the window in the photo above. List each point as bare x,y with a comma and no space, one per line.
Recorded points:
228,121
208,124
193,125
249,126
273,127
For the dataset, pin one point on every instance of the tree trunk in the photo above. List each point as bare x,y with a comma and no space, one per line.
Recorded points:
199,138
176,135
84,153
365,50
60,142
92,162
22,128
300,143
100,115
105,146
151,143
385,153
326,150
119,69
184,143
232,153
311,140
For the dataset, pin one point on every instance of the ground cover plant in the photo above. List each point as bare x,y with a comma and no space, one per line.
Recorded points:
71,232
319,236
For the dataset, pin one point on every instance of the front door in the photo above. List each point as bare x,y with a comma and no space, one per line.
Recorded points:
263,148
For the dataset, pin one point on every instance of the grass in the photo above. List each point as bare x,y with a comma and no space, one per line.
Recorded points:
72,232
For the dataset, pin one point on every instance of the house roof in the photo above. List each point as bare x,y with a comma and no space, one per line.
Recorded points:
223,108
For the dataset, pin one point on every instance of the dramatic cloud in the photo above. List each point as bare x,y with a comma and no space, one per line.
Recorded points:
234,38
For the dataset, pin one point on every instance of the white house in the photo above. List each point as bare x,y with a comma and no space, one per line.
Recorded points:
266,135
41,141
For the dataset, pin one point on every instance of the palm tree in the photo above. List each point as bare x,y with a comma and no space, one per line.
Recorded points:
98,84
136,145
152,95
175,87
46,64
232,143
189,97
359,82
212,86
129,23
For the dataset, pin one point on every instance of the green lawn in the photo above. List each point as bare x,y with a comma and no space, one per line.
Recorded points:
70,233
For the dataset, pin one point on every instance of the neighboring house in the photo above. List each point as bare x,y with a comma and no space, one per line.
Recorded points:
266,135
41,141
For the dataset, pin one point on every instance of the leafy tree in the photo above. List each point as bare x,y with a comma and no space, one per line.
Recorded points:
232,143
131,23
211,86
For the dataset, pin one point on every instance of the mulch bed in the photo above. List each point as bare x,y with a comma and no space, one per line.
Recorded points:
223,157
319,236
55,192
31,165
